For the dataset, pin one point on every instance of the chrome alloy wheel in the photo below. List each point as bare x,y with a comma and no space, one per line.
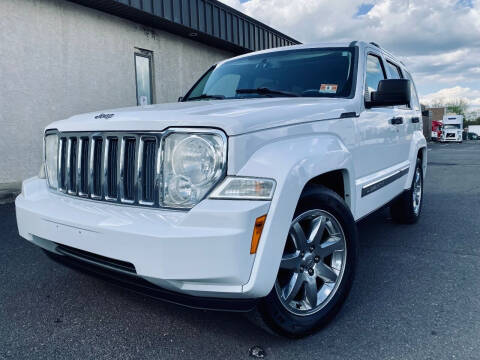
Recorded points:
417,191
312,264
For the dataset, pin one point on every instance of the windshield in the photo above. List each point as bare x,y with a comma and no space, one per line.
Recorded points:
451,126
326,72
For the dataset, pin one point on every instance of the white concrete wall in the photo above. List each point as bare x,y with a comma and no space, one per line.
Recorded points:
59,59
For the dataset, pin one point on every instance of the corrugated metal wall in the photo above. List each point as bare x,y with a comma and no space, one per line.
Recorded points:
209,21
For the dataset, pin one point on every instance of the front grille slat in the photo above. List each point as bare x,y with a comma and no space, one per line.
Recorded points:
129,169
78,167
72,166
147,166
62,173
97,177
83,174
111,166
111,159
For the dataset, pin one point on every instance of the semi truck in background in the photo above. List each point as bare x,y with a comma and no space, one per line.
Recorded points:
452,129
436,130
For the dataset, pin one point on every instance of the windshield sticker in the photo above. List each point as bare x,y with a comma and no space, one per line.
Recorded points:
328,88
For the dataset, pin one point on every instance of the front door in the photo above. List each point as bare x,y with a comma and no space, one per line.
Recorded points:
379,161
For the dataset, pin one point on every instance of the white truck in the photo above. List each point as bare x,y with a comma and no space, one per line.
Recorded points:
246,193
452,130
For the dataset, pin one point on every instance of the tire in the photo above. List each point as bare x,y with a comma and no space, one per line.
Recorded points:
289,315
406,210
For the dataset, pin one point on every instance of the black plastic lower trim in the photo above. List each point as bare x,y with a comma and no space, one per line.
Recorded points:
141,286
368,189
86,256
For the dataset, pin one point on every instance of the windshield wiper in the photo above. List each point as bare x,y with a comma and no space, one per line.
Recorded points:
266,91
207,96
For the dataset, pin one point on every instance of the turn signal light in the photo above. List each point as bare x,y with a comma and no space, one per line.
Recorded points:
257,232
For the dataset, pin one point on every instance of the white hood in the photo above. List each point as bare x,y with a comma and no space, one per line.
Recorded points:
235,117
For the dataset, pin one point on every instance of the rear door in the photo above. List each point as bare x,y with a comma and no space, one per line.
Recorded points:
405,113
415,123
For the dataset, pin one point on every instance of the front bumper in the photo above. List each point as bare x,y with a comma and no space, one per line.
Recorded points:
203,252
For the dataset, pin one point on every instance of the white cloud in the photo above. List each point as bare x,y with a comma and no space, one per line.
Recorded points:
438,40
471,96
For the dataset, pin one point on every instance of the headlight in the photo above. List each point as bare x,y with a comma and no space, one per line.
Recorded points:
245,188
51,160
193,164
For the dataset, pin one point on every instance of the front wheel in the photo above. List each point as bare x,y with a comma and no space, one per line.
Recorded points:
317,266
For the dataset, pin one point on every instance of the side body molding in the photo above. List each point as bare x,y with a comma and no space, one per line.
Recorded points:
292,163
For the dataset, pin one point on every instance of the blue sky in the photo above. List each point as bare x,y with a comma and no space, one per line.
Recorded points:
439,40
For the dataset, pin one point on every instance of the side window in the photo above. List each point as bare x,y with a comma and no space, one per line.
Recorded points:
396,73
415,104
375,73
144,77
394,70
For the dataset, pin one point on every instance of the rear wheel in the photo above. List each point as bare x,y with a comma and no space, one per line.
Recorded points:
407,208
317,266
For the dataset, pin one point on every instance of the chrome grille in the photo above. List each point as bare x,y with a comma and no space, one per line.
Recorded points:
113,167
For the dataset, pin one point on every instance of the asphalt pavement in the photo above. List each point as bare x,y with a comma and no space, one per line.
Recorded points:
416,294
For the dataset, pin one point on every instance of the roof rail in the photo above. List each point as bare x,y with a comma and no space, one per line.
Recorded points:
375,44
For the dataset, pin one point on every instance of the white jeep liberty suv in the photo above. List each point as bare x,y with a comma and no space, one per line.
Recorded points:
245,194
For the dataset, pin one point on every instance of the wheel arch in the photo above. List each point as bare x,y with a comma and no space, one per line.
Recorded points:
418,149
294,163
336,180
422,155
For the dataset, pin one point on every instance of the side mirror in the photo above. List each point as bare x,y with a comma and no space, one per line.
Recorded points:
180,99
390,92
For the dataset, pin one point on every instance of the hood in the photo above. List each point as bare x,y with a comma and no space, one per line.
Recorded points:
235,117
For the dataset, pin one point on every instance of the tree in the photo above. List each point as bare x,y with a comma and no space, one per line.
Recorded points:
458,106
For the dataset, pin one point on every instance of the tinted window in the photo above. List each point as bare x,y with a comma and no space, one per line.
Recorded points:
307,73
375,73
394,70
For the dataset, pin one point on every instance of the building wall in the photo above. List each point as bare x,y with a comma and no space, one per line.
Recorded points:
437,113
60,59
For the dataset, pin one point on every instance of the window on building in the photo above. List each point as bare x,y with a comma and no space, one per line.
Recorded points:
144,76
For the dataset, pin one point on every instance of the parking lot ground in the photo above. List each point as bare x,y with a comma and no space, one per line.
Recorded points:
416,294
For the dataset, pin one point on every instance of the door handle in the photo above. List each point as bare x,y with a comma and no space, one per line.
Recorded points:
397,120
415,119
